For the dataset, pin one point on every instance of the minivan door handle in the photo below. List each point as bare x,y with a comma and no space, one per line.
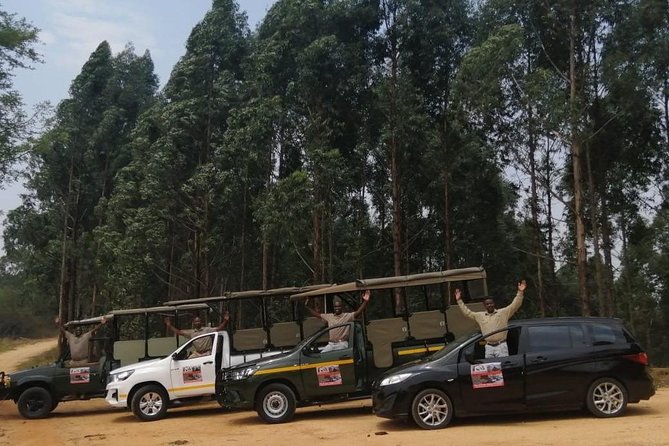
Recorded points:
540,359
208,362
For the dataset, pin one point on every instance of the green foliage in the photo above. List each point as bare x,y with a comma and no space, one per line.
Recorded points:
349,139
17,51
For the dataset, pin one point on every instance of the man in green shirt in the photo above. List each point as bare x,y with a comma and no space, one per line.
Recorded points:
494,319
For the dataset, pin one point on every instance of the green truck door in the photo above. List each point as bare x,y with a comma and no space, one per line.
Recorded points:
328,373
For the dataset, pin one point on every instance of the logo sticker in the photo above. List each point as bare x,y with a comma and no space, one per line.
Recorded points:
80,375
487,375
192,374
329,376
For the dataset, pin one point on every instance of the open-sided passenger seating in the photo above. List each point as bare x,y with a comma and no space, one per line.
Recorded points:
163,346
382,333
285,334
129,352
458,323
311,325
249,339
427,324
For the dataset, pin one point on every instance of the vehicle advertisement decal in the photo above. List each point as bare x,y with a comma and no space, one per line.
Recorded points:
487,375
192,374
329,375
80,375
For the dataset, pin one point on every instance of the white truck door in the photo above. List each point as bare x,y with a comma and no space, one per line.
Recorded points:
192,372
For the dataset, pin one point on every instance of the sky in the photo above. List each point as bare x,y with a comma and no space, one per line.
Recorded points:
72,29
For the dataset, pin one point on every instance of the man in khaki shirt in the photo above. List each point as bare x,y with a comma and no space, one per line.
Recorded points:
494,319
339,335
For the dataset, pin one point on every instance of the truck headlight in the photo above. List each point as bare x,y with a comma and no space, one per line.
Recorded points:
236,375
394,379
118,377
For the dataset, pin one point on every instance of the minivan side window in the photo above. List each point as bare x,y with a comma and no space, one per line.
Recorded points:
602,334
554,337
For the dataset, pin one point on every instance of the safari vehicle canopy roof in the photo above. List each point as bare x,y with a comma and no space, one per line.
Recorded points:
87,321
161,309
452,275
287,291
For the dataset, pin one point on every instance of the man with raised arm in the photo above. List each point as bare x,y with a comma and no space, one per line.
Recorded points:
494,319
339,335
79,344
203,345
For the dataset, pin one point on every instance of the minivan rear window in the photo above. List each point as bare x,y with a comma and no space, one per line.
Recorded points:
602,334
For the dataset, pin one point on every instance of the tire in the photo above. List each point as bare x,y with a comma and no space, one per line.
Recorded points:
149,403
606,398
276,403
432,409
35,402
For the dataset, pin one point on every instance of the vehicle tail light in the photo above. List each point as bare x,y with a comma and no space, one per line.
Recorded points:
641,358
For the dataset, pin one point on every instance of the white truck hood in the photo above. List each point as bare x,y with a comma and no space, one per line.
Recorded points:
138,365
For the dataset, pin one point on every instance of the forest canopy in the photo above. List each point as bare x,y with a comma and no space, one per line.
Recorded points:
346,139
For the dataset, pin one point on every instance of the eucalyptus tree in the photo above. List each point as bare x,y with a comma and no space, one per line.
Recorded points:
174,198
17,51
312,59
74,164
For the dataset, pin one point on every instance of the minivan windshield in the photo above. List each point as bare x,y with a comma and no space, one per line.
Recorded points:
454,345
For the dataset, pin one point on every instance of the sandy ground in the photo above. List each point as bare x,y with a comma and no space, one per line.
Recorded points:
10,360
95,423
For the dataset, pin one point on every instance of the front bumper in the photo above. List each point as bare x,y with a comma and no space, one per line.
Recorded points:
5,386
117,396
390,402
235,395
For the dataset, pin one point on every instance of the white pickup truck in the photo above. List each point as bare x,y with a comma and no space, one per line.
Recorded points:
149,387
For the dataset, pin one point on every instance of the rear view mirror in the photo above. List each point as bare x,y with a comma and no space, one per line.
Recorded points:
311,350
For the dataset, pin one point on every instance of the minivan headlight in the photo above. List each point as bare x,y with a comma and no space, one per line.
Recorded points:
394,379
118,377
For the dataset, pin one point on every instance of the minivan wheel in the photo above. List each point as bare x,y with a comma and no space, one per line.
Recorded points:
432,409
276,403
35,402
606,398
149,403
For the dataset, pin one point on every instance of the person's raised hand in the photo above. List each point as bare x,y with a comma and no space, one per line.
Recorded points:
458,294
365,295
522,285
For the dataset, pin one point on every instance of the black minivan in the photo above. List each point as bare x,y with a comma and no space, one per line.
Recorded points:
553,364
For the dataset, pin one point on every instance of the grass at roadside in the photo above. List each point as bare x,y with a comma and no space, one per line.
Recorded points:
7,344
660,376
48,357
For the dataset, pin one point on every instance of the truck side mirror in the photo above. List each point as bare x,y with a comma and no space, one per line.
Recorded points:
311,350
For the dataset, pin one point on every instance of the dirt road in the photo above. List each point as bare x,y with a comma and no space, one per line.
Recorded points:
10,360
95,423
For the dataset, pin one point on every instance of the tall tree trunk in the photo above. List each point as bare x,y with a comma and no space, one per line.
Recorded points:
608,259
394,167
63,287
594,211
316,220
534,208
576,153
553,298
242,236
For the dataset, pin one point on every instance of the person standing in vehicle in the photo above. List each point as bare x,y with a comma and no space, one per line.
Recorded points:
79,344
494,319
339,335
203,345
